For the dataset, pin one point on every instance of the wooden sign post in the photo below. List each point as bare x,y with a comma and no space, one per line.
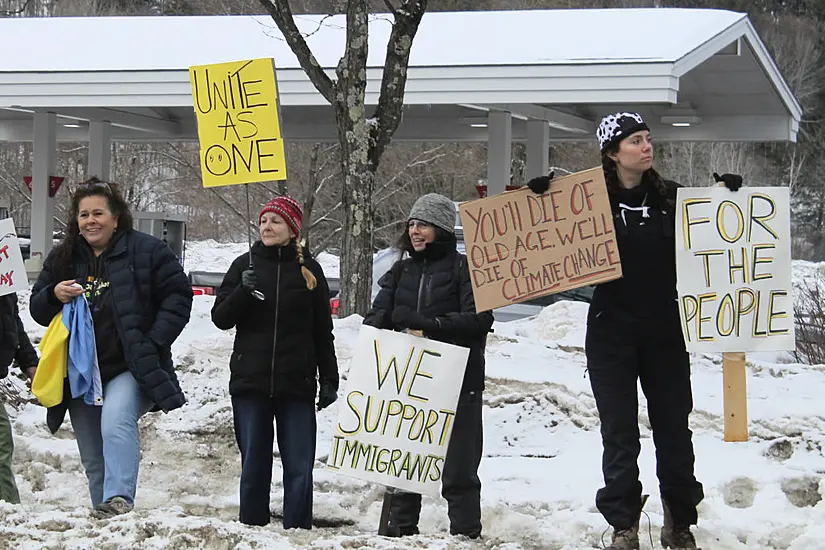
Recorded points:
734,377
733,266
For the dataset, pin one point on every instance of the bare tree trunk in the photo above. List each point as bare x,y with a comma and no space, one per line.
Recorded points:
362,140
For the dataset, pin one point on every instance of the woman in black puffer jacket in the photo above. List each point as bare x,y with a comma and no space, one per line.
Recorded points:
282,343
431,291
140,301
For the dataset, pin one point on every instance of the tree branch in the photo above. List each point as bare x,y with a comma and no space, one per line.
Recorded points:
324,243
390,7
394,80
18,11
282,15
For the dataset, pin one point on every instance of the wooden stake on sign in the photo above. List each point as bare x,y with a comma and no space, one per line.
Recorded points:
734,378
736,396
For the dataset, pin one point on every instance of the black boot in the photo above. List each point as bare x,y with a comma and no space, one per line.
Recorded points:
677,537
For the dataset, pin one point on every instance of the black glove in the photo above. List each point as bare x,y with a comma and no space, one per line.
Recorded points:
326,395
541,184
404,317
249,280
731,181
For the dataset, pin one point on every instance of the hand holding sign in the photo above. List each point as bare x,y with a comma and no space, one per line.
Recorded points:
541,184
731,181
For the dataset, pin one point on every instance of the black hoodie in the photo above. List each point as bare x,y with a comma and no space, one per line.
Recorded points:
645,231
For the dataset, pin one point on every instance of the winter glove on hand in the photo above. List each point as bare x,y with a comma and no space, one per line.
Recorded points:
326,395
541,184
249,280
731,181
404,317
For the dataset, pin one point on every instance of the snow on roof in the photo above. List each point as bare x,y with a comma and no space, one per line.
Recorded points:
444,39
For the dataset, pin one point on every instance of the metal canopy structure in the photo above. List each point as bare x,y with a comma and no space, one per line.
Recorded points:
535,76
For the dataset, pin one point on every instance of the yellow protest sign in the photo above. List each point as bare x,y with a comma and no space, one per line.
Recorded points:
236,105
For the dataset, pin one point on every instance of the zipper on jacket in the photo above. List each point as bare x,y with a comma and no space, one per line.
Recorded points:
421,285
275,331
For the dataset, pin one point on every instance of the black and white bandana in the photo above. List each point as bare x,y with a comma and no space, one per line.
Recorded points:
618,126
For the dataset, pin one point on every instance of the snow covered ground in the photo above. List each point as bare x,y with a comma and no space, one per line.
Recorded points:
540,471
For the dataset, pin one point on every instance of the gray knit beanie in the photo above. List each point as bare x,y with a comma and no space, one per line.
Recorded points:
435,209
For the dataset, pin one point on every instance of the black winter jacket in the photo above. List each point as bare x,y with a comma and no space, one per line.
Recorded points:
436,283
15,344
152,301
647,289
282,342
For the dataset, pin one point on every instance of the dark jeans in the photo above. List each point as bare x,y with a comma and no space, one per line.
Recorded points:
295,420
460,484
620,352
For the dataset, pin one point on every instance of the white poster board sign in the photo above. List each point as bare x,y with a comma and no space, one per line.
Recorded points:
396,417
13,276
733,264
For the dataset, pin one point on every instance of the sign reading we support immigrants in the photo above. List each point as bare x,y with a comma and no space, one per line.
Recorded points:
521,245
236,105
395,421
733,263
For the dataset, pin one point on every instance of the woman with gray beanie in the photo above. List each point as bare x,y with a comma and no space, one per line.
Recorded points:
430,291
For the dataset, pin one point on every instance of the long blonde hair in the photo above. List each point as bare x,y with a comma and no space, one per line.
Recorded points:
308,276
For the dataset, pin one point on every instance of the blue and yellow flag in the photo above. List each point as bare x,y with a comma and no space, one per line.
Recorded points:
47,385
68,351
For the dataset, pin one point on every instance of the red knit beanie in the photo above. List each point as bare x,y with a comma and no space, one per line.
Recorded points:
288,208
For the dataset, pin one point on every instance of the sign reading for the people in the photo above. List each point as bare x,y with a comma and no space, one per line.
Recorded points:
236,105
733,263
395,420
13,277
521,245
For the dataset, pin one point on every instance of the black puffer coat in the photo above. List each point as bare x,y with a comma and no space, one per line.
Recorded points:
281,342
15,344
436,283
152,300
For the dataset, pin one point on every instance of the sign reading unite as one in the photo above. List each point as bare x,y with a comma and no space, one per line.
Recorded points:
236,105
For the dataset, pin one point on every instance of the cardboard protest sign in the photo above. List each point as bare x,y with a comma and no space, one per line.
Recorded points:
395,420
521,245
13,277
236,105
733,262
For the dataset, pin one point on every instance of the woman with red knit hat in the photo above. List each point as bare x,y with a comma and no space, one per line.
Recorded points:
282,344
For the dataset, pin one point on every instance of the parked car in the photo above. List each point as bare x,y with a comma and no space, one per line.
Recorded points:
206,283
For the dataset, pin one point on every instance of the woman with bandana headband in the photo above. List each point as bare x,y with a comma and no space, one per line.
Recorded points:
634,334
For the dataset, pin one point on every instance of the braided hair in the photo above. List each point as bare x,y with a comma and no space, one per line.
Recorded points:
308,276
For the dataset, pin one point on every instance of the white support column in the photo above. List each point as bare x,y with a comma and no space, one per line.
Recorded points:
100,149
499,151
538,143
42,218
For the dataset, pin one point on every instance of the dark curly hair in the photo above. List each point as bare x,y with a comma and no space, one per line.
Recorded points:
62,263
650,177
